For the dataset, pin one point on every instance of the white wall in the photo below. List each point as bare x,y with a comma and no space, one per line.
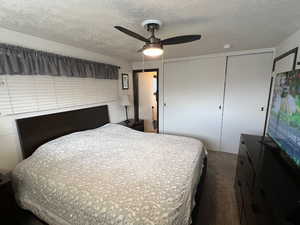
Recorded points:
10,153
289,43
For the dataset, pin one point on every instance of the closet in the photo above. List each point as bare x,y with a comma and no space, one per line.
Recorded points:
248,80
193,93
217,98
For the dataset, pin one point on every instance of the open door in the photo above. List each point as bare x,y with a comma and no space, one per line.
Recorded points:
146,98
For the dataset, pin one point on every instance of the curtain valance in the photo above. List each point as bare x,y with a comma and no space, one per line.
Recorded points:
23,61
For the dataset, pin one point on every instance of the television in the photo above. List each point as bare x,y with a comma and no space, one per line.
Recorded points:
284,119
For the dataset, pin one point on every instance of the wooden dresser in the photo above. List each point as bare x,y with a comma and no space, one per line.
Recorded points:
267,190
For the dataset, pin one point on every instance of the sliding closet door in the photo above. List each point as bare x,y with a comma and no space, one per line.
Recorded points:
193,92
247,88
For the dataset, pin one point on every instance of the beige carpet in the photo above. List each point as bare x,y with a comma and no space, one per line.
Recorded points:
218,204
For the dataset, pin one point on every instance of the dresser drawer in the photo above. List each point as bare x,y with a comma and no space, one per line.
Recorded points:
265,212
255,212
269,189
253,150
245,170
277,190
243,219
7,204
251,210
238,195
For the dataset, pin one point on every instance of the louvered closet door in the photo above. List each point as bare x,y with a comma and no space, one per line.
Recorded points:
193,92
247,88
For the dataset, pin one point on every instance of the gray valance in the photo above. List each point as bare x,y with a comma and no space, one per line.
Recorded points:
23,61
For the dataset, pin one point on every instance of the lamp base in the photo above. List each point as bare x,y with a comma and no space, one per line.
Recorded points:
126,110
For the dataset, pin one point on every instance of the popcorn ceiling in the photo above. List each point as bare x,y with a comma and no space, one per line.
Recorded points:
245,24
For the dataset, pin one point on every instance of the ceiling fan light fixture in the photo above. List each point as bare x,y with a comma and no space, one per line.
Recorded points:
154,46
153,50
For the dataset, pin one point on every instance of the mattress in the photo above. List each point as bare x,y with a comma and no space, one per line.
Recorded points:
111,175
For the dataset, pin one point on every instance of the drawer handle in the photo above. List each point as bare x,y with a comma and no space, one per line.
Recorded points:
239,183
255,209
242,142
262,193
250,160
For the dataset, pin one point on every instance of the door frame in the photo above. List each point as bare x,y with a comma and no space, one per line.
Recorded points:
135,79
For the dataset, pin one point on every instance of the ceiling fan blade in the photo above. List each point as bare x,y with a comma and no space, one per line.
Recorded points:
140,50
180,39
131,33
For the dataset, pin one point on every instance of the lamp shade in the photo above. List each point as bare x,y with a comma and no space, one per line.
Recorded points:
125,100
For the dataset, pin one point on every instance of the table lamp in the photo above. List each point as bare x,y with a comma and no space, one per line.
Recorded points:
125,102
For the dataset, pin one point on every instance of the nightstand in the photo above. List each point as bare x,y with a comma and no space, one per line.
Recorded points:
10,213
7,202
136,125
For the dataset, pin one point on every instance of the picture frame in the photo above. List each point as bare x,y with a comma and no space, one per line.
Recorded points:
125,81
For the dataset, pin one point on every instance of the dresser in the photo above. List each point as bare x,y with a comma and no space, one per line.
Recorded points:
267,189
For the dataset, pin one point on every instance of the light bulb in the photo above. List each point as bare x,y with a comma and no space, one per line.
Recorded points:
153,51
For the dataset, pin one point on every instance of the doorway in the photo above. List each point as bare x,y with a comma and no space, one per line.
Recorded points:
146,95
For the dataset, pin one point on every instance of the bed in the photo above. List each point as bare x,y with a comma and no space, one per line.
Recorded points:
107,174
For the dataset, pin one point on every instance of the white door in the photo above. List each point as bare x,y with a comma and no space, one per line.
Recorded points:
193,92
247,87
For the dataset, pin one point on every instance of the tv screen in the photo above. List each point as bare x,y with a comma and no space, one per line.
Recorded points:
284,122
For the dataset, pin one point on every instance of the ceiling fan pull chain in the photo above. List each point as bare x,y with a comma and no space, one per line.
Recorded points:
143,63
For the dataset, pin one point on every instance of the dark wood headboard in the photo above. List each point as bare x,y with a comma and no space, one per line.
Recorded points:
35,131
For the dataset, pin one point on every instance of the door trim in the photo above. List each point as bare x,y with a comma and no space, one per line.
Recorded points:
223,103
136,93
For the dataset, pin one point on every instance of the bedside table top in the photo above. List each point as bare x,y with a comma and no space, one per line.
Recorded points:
132,123
136,125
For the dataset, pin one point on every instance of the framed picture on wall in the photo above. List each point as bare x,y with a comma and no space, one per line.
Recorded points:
125,81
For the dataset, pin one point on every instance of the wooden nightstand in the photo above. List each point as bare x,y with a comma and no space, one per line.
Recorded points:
10,213
7,202
136,125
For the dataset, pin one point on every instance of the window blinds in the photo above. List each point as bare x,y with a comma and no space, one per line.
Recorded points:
21,94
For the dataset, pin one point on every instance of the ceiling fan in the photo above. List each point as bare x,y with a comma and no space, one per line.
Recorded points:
153,45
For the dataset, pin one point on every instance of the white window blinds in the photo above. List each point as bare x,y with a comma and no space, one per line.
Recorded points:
20,94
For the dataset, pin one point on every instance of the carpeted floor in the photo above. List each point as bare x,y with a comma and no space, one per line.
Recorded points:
218,204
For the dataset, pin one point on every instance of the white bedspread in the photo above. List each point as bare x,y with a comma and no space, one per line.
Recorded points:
111,175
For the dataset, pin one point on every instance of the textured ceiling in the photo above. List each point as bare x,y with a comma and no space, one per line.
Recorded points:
88,24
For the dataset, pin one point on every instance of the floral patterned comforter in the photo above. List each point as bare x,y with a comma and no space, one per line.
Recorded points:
111,175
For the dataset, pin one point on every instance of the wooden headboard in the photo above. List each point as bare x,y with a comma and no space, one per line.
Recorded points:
35,131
